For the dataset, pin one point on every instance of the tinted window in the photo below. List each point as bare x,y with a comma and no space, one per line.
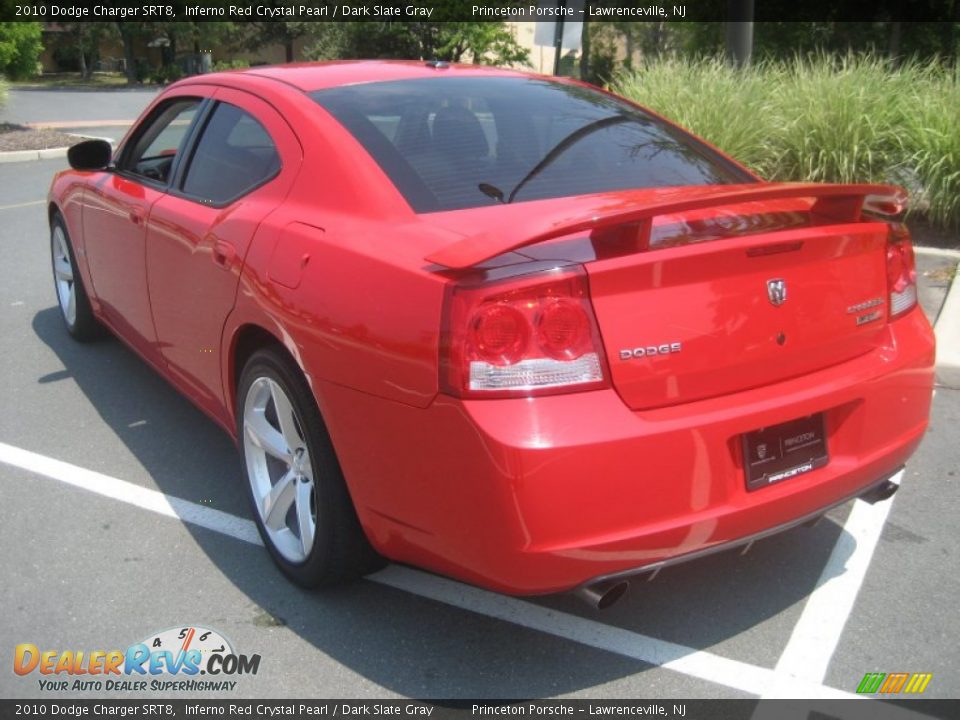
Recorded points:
161,140
451,143
234,155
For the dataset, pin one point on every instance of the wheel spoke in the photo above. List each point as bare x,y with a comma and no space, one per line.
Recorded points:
278,500
72,305
63,269
306,467
304,517
285,417
266,437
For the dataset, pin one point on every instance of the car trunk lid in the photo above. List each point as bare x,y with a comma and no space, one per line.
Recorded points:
720,290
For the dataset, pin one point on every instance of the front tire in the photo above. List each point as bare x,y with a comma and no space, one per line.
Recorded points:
296,488
71,295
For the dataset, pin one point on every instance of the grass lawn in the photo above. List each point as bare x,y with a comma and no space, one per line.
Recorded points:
98,81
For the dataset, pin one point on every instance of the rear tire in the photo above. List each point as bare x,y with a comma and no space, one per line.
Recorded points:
296,488
72,297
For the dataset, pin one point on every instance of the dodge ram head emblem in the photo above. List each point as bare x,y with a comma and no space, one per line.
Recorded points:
777,291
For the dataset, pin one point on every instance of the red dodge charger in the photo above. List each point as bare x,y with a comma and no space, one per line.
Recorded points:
509,328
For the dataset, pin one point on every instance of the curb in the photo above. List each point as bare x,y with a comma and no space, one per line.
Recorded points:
15,156
947,331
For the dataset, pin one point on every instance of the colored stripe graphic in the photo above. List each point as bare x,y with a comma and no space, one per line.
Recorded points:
918,683
894,682
890,683
870,683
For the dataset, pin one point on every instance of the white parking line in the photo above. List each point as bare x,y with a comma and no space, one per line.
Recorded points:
700,664
936,252
132,494
22,204
661,653
817,632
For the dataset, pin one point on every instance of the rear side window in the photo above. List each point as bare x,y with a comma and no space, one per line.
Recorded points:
234,155
453,143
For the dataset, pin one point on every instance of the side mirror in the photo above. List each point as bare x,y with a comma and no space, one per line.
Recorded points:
90,155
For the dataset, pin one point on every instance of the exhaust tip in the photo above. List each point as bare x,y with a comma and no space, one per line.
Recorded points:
881,492
602,595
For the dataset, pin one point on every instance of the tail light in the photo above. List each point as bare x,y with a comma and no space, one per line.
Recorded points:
901,270
530,335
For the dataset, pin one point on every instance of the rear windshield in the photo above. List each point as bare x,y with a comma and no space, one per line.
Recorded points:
453,143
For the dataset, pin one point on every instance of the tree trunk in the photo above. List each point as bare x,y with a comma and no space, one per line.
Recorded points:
288,49
83,62
585,44
656,38
949,35
128,54
739,32
893,41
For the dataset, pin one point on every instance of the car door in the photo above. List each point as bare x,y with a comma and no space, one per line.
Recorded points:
239,169
116,213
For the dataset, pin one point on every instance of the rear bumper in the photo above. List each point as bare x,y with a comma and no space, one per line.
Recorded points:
879,487
540,495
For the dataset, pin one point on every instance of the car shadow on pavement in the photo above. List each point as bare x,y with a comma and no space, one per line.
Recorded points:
742,607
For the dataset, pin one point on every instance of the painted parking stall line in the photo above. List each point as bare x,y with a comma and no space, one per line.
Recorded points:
127,492
788,677
15,206
700,664
815,636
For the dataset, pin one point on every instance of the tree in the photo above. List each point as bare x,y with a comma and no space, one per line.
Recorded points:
130,31
84,50
487,43
480,42
20,48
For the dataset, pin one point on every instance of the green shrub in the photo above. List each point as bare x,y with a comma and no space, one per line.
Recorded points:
20,49
230,65
821,119
167,74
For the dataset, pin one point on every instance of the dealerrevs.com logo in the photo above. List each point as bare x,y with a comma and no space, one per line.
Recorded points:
169,661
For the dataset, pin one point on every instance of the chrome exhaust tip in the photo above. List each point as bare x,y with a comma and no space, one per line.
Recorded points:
603,594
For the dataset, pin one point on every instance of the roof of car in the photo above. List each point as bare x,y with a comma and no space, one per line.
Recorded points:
318,76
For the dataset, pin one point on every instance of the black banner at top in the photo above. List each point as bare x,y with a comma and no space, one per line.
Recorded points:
479,10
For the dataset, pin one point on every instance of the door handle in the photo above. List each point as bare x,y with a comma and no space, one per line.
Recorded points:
136,217
223,253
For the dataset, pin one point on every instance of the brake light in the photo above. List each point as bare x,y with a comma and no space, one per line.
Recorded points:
901,270
533,334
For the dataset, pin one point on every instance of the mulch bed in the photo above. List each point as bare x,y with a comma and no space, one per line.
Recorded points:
18,137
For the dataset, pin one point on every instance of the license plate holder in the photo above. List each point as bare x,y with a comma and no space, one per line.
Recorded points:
784,451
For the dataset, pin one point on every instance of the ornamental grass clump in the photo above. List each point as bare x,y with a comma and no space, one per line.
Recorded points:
853,118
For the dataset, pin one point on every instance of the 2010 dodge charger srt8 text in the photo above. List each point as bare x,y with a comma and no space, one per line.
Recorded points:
513,329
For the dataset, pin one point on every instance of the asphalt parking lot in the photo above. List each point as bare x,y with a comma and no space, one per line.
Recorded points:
98,555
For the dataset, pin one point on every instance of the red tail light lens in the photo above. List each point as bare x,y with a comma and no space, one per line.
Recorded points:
525,335
901,270
499,334
563,329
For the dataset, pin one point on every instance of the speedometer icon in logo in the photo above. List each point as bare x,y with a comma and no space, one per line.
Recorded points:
180,640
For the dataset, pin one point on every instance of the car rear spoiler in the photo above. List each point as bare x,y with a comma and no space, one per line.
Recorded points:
836,203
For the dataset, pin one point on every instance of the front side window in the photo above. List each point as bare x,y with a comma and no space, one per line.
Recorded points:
234,155
157,146
453,143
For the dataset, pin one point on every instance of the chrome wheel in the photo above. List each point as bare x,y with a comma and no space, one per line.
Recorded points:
279,469
63,276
